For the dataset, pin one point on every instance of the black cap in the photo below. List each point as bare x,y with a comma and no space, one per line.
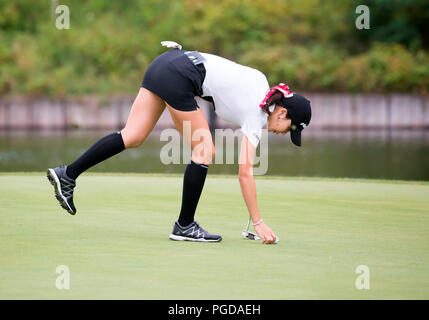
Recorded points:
299,110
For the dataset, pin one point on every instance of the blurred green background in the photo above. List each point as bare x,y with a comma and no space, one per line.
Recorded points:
313,44
327,226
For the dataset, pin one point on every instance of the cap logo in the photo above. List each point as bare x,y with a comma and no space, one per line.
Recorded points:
303,125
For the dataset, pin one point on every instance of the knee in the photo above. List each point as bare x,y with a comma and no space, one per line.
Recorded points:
134,143
131,140
203,154
211,155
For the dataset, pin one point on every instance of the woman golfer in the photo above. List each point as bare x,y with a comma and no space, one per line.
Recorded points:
240,95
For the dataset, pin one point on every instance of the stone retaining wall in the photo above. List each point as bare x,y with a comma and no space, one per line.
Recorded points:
339,111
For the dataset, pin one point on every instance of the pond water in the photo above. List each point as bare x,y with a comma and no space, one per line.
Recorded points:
358,154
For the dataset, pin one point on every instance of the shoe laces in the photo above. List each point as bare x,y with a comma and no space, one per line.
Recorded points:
67,187
196,230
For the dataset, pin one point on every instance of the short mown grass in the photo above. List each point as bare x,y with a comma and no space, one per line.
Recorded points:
117,246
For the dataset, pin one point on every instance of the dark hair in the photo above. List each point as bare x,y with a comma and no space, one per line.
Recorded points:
274,99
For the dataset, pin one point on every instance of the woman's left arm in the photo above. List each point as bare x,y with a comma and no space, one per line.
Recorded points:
248,189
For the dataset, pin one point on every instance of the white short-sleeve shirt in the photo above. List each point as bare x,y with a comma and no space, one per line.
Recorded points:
237,91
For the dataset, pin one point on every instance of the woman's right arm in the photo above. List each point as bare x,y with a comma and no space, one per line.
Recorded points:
248,189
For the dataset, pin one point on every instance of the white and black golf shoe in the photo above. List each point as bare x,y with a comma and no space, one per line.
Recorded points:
193,232
63,187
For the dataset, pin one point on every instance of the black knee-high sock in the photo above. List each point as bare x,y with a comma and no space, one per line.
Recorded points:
193,183
103,149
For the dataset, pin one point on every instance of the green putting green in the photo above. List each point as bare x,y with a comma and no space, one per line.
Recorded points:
117,246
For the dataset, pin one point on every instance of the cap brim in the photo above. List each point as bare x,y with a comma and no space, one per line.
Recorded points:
295,136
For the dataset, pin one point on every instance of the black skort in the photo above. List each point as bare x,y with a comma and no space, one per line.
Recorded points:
173,77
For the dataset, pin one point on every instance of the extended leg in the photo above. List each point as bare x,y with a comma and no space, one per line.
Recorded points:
145,112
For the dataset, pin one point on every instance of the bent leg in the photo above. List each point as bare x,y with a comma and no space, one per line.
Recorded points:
195,131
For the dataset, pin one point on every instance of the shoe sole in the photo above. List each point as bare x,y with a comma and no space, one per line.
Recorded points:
181,238
53,179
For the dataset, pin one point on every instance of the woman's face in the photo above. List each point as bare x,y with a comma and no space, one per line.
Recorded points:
278,122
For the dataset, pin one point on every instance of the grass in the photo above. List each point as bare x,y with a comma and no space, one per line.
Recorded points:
117,246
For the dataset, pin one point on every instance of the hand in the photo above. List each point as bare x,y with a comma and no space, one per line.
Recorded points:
265,233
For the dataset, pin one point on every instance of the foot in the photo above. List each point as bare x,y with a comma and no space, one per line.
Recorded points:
193,232
63,187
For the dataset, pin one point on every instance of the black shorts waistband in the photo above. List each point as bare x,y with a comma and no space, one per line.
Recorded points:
174,77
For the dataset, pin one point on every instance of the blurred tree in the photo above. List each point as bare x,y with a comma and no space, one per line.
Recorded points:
394,21
311,44
22,15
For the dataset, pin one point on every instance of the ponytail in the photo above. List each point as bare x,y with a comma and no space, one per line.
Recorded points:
274,96
274,99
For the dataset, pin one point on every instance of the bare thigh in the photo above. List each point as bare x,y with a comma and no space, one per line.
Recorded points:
195,131
144,114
